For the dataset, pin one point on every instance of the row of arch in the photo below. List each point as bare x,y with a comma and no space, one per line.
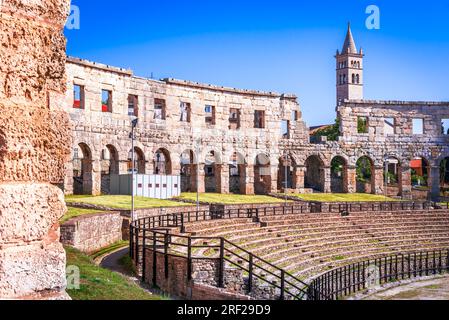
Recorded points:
262,176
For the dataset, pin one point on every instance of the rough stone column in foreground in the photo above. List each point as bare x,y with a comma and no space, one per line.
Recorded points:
35,143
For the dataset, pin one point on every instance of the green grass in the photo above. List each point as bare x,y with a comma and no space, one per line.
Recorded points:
127,263
342,197
230,198
123,202
100,284
76,212
338,258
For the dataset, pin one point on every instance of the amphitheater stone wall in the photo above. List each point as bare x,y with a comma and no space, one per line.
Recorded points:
243,158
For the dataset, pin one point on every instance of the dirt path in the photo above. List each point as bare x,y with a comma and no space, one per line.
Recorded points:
112,263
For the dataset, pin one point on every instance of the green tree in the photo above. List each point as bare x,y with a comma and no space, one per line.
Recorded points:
332,132
363,169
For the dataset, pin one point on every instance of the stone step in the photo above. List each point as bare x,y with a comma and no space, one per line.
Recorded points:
257,234
283,247
316,270
346,254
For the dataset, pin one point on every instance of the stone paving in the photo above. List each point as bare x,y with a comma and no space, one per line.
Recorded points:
434,289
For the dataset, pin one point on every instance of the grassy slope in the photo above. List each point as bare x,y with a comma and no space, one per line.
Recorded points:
229,198
336,197
76,212
100,284
124,202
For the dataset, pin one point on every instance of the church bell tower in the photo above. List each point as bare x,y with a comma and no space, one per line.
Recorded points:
349,71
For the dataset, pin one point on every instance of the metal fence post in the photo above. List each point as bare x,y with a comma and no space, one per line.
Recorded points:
154,259
282,296
166,255
189,259
131,244
221,266
136,246
183,229
144,255
250,273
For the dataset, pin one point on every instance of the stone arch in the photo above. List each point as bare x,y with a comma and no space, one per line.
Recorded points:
393,178
262,174
420,167
139,161
420,176
365,171
162,163
213,155
314,175
110,165
237,173
339,175
287,173
82,170
212,172
189,172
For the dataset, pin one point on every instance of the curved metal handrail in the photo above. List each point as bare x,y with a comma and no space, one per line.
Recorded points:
345,281
286,282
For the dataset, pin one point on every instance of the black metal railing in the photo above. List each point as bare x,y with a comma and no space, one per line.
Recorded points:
156,233
287,285
163,234
347,280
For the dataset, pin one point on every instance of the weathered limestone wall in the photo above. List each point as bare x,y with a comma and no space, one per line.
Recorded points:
34,144
93,232
401,144
97,130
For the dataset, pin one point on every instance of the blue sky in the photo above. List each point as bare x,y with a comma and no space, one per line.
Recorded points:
283,46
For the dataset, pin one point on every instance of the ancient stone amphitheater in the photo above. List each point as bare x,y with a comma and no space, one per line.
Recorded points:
65,124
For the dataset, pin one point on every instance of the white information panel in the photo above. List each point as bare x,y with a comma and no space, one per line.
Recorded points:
149,186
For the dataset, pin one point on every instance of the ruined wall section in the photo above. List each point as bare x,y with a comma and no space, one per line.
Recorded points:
382,141
402,143
34,144
98,129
